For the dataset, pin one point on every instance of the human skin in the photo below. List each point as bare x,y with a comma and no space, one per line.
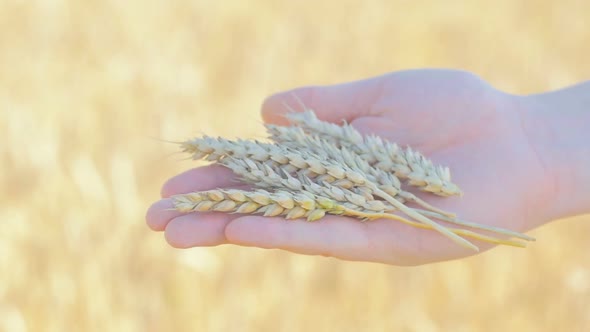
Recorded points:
521,162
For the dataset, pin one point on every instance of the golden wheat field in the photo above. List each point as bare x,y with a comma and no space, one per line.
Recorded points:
88,89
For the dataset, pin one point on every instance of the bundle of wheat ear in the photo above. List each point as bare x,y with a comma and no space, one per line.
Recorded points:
314,168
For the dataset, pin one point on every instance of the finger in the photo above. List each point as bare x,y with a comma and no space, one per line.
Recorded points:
332,103
333,236
160,213
198,230
320,238
198,179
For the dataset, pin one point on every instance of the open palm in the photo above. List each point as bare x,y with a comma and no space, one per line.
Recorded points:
453,117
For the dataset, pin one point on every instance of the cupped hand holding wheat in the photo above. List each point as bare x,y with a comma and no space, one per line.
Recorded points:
454,118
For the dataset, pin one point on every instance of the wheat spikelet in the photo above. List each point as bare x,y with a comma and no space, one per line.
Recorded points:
406,164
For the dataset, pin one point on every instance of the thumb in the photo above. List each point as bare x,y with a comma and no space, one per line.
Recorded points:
332,103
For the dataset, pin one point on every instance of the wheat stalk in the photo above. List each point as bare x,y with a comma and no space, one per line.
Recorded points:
476,225
406,164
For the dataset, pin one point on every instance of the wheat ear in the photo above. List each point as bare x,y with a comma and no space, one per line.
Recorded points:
293,206
406,164
290,205
265,176
296,138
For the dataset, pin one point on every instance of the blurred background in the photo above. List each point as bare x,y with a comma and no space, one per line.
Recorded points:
88,87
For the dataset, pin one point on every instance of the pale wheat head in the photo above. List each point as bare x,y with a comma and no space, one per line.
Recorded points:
406,164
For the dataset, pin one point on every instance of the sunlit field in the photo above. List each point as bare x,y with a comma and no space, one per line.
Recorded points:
89,89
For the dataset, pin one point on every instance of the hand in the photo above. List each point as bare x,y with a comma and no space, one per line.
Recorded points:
452,117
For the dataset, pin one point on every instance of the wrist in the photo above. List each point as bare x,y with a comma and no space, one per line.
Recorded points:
558,127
